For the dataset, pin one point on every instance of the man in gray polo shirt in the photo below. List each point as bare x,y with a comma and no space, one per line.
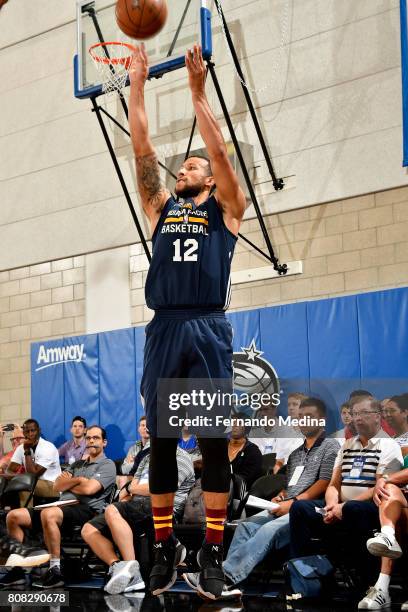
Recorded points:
309,470
88,484
124,521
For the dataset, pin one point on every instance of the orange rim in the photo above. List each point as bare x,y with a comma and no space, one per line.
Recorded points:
102,59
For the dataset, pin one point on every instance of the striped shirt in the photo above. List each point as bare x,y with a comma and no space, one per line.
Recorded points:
361,466
186,478
318,462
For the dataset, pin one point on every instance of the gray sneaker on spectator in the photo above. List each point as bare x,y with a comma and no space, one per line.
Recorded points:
121,574
136,583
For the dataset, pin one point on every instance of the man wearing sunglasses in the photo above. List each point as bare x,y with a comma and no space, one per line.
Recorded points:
17,438
37,456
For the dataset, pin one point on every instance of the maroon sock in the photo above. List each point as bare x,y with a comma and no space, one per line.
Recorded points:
163,522
215,525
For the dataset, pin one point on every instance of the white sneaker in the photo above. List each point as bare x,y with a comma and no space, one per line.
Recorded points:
404,605
376,599
382,546
121,573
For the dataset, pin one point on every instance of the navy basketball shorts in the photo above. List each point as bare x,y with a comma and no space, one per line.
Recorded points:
188,346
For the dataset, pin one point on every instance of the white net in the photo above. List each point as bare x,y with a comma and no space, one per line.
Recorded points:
112,61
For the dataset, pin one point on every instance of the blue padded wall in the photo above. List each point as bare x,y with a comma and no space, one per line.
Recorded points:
326,347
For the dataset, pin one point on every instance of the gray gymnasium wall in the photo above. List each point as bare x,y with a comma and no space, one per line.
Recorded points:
331,114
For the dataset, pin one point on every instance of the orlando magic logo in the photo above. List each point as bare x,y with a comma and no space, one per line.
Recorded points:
252,373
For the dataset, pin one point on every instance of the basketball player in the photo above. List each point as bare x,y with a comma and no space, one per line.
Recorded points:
188,287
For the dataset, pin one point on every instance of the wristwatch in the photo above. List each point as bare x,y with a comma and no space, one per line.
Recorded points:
386,477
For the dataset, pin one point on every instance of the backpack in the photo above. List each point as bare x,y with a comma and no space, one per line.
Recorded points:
308,577
194,509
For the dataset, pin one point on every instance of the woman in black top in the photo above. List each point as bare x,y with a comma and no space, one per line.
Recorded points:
245,457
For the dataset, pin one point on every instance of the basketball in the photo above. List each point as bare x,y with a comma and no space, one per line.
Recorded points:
141,19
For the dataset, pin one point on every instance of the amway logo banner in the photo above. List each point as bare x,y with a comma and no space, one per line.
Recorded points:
48,357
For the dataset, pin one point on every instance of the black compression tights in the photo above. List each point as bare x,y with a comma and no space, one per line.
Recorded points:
216,472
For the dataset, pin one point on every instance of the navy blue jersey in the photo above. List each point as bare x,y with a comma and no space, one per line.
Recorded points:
191,261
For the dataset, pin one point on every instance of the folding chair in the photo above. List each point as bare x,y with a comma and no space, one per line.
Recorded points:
19,483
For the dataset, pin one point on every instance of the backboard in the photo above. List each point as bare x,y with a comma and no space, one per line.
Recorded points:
188,22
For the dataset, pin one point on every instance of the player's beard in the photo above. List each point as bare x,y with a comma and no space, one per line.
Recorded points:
188,191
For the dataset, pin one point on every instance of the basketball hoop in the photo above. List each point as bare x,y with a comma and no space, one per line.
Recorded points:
112,61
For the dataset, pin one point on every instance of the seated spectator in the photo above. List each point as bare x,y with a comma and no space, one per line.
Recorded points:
390,495
309,471
294,400
124,521
74,449
37,456
395,413
88,483
278,439
245,457
364,393
348,430
136,448
384,423
17,438
3,430
349,497
188,442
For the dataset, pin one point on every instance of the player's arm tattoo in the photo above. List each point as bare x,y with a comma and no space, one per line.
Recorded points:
148,180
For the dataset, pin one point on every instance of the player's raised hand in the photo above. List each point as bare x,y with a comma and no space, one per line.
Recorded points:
196,70
139,67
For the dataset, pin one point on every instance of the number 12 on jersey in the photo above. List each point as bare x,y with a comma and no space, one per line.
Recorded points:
185,250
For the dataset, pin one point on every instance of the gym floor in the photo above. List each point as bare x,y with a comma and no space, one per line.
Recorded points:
181,599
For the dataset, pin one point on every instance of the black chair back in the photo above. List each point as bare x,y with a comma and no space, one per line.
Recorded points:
237,498
22,482
268,486
268,462
3,484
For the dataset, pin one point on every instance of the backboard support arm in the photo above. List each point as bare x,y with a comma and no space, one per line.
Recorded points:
277,182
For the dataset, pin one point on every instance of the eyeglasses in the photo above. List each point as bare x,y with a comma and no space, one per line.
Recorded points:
363,413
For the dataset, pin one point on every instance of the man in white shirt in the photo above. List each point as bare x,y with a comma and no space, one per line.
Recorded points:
278,439
39,457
